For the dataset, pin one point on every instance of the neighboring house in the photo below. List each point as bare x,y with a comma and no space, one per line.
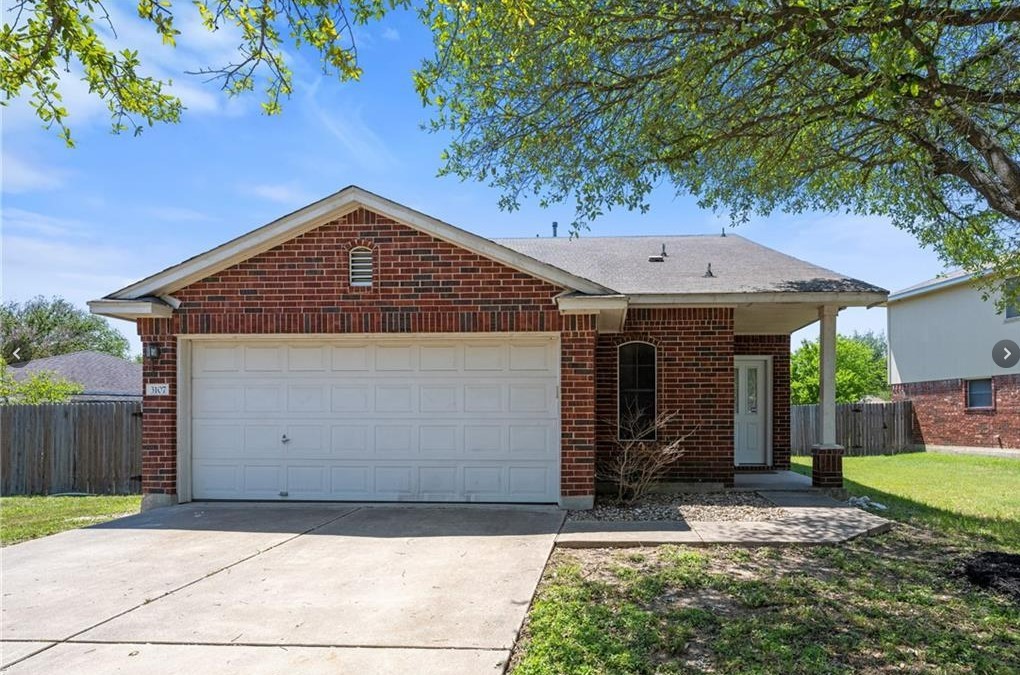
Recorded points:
103,377
941,334
357,349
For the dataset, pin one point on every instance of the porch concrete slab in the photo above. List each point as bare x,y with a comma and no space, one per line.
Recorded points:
379,577
159,659
771,480
16,650
801,499
599,534
808,526
58,586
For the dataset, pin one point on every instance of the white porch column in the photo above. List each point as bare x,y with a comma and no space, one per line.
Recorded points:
826,456
827,385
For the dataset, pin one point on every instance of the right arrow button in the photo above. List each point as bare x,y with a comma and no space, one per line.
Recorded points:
1006,353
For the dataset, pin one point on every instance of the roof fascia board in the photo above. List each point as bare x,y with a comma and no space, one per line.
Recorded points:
130,310
336,206
847,299
939,285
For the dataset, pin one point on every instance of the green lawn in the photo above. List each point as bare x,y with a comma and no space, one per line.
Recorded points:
893,602
976,496
24,518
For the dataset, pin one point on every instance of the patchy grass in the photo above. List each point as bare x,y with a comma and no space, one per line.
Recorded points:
975,497
895,602
889,603
24,518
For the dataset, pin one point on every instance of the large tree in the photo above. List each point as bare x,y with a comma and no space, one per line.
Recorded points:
908,109
860,369
44,327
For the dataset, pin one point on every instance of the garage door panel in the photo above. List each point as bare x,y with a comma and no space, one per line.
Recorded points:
394,398
483,398
351,398
393,439
438,483
263,359
351,358
484,439
307,359
351,482
350,439
263,398
439,358
484,357
307,398
218,440
307,482
437,419
262,481
225,398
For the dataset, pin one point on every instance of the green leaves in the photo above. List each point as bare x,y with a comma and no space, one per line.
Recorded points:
860,370
751,106
49,41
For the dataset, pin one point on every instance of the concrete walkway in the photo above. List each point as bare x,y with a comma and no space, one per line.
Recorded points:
255,588
815,519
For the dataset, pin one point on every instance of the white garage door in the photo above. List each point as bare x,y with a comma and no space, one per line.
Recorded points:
423,419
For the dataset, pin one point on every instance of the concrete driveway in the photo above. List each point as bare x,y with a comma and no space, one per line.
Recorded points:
258,588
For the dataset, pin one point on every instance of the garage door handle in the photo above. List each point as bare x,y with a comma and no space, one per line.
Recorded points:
285,439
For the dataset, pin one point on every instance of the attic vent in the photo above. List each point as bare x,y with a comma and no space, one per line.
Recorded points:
656,258
361,266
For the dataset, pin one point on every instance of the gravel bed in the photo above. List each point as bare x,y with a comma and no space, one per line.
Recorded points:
711,506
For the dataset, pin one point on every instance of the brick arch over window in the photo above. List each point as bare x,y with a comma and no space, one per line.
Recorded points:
636,389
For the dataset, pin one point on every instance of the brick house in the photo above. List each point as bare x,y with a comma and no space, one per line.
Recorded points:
359,350
941,339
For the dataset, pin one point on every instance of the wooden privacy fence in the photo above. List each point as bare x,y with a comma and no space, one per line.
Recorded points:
861,428
71,447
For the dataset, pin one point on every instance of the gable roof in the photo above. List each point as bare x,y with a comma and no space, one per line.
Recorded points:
739,265
323,211
101,375
590,269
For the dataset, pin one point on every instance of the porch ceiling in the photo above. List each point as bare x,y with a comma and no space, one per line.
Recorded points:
773,318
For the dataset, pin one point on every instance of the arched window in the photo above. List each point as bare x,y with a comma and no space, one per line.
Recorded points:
361,266
636,391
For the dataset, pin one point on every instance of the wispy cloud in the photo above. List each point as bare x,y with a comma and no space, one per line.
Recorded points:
20,221
282,193
391,34
175,214
21,175
363,146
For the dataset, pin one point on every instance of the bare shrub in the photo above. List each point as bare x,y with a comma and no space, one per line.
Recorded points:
643,456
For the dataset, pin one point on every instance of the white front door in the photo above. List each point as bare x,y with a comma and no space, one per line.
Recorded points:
429,418
751,405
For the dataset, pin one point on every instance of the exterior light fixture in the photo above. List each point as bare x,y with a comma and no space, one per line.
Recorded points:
151,350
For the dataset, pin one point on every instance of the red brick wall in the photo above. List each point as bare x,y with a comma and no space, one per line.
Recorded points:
941,416
577,405
301,286
778,347
159,418
694,352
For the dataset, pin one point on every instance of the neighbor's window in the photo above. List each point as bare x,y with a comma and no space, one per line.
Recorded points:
1013,311
361,266
979,394
636,395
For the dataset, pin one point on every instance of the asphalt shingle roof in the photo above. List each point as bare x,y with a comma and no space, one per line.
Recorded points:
738,265
101,375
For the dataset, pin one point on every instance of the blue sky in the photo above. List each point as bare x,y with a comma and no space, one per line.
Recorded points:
83,222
